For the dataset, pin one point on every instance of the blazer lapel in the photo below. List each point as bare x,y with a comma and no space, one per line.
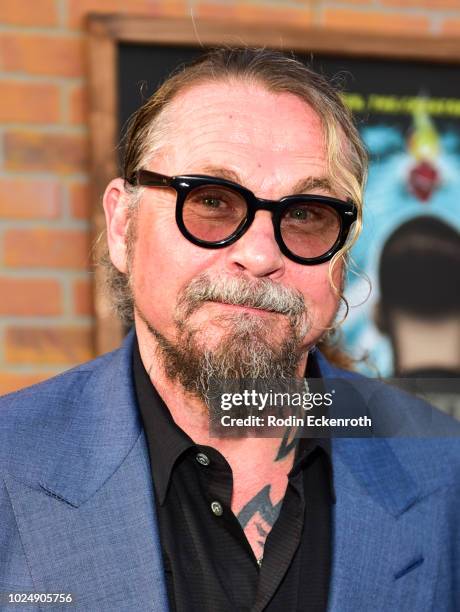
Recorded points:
105,552
386,543
87,519
386,527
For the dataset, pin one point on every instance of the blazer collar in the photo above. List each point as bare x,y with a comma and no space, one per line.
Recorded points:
101,426
372,461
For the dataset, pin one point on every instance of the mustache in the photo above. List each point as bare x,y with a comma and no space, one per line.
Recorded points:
263,294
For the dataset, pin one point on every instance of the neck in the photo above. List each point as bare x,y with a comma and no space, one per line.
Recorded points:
421,344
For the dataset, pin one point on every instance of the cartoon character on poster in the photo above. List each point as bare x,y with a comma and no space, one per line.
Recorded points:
409,249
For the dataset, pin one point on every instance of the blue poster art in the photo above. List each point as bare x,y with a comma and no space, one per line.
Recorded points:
404,280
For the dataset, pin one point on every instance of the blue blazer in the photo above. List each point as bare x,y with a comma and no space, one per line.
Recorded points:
77,511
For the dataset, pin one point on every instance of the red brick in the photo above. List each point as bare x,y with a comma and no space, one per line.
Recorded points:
430,4
28,13
80,204
271,15
79,9
361,2
29,102
205,9
78,105
42,54
53,248
50,345
29,297
245,12
41,151
29,199
173,8
451,27
82,297
367,22
13,381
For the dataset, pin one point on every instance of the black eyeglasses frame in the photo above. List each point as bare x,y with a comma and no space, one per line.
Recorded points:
183,184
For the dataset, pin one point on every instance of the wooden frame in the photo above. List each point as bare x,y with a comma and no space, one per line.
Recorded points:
107,31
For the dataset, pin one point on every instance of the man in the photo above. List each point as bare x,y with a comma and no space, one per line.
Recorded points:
228,233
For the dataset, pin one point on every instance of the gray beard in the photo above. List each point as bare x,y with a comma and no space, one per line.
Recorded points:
244,352
247,348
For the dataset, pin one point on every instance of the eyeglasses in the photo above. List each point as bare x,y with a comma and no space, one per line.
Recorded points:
213,213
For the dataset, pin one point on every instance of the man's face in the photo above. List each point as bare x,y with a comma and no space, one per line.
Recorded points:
269,143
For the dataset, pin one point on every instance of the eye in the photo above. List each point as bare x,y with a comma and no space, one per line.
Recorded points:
305,213
211,201
300,213
215,202
309,217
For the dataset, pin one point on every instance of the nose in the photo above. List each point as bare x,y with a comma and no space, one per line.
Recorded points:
257,252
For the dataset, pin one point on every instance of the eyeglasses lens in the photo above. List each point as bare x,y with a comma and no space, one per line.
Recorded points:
213,213
310,230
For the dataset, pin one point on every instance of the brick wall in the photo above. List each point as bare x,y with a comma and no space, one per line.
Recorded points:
45,265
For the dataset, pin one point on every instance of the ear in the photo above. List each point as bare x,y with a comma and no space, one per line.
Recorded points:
115,202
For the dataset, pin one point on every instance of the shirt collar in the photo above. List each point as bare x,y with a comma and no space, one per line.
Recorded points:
305,448
166,440
308,445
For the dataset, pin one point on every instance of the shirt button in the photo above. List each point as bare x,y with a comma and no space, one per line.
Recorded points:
203,459
217,509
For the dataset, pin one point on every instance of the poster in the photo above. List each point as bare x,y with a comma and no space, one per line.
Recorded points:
403,285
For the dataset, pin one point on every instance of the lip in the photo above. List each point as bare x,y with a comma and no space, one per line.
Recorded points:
242,308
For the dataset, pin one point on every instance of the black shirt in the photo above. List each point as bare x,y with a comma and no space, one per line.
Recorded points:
209,564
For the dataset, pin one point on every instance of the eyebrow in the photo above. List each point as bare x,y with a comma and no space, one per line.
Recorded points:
304,185
221,172
312,182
